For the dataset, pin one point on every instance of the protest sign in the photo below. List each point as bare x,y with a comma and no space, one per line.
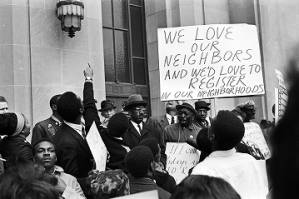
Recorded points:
180,158
144,195
281,96
206,61
255,140
97,147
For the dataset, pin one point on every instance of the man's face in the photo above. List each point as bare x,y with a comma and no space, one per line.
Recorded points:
137,114
202,112
3,107
45,154
250,113
185,117
108,113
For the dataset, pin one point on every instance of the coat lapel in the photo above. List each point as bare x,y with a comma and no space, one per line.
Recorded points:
134,130
77,137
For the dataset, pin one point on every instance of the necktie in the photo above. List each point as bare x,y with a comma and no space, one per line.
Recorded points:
172,120
139,127
83,132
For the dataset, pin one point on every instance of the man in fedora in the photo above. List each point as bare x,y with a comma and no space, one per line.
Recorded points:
202,109
186,128
139,130
107,111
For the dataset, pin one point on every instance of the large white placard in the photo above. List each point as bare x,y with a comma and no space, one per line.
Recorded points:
206,61
180,158
97,147
255,139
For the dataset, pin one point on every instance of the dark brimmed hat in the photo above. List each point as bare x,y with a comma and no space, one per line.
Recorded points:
202,104
106,105
187,106
134,100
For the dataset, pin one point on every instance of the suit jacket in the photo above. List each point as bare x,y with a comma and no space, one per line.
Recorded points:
150,129
44,129
73,153
163,121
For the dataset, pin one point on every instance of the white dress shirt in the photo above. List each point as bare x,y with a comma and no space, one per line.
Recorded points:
169,117
77,127
247,175
136,126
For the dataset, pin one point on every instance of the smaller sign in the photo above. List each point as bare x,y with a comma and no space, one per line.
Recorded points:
97,147
144,195
281,96
255,140
180,158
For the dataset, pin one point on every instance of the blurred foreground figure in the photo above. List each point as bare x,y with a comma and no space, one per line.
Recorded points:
284,168
206,187
24,180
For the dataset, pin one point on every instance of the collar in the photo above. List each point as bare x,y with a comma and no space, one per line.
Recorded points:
190,127
57,121
223,153
76,127
58,170
136,125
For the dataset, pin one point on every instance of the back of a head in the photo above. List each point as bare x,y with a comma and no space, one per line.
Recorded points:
2,99
138,161
54,100
118,124
69,107
152,144
228,130
8,123
204,187
203,142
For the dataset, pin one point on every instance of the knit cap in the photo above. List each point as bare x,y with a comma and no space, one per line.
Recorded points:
11,124
138,161
118,124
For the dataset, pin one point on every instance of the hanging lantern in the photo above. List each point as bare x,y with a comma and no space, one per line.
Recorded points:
70,13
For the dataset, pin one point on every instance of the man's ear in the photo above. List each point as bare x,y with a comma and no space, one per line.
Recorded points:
54,107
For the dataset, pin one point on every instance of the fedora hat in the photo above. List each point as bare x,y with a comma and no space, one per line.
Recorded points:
202,104
187,106
106,105
134,100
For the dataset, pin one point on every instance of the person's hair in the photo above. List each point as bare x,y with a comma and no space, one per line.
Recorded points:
204,187
228,130
25,180
37,142
2,99
152,144
138,161
69,106
203,141
54,100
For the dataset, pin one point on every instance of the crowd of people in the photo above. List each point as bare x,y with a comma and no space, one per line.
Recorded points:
58,162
